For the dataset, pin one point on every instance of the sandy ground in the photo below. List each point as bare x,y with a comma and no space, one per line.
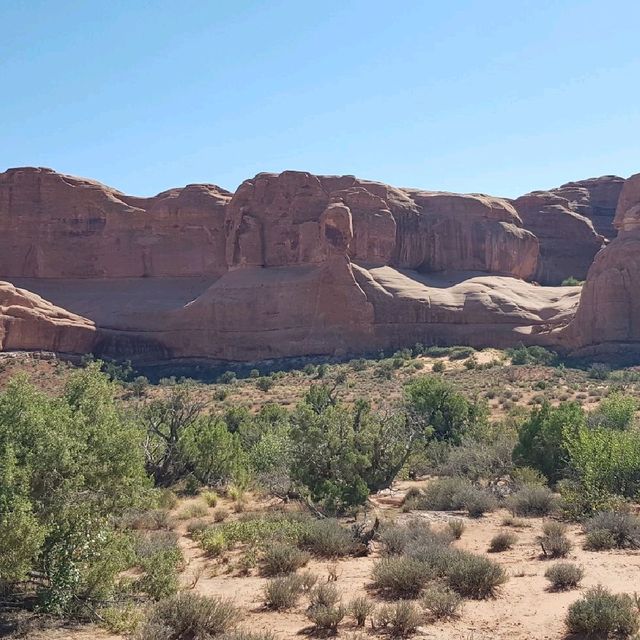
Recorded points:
524,608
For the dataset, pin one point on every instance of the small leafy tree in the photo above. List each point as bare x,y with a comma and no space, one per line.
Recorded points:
542,438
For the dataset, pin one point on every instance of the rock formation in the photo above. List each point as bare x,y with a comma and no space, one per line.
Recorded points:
572,223
290,264
608,318
57,226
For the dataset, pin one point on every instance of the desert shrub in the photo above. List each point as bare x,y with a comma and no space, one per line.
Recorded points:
599,540
167,499
150,520
397,538
220,514
121,619
342,453
477,502
512,521
474,576
541,438
438,367
599,371
606,463
148,543
265,383
283,593
617,411
228,377
571,282
70,468
281,558
601,613
554,541
564,576
193,510
213,542
160,579
361,608
436,557
532,501
479,456
327,538
400,619
502,541
188,615
439,409
532,355
620,528
401,576
444,494
325,608
210,497
457,527
441,603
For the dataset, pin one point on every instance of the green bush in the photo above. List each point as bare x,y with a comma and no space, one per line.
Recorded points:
600,613
401,576
283,593
532,355
542,438
265,383
532,501
188,615
609,529
160,579
70,468
476,577
441,603
617,411
281,558
564,576
438,366
606,463
439,409
400,619
502,541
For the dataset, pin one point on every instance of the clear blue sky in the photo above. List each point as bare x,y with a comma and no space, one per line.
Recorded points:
498,97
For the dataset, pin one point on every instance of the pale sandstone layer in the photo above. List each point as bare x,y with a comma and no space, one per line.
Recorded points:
291,264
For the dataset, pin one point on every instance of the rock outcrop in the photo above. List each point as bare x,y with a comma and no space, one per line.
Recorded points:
290,264
27,322
607,320
572,223
57,226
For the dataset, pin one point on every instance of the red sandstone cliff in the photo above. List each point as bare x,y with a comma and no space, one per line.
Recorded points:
291,264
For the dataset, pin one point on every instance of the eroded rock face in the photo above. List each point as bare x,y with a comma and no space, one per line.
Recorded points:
295,264
595,199
572,223
608,317
57,226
